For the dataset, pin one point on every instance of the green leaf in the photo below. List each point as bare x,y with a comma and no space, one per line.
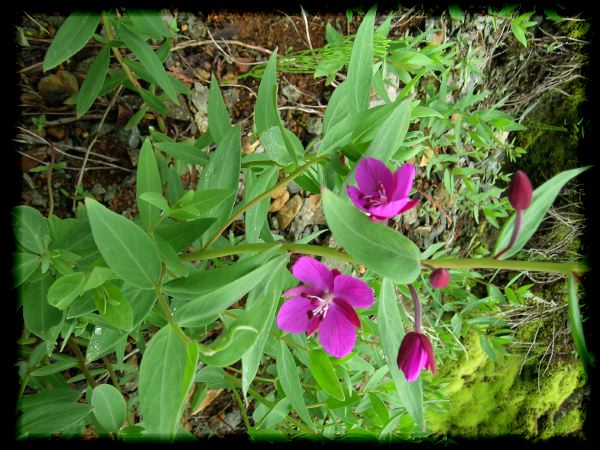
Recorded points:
219,122
24,266
93,81
65,363
380,248
147,181
148,58
519,32
256,216
265,109
97,277
182,235
66,289
174,185
223,172
30,228
542,199
391,134
391,333
155,199
109,407
207,307
321,368
149,23
188,153
338,107
166,376
251,323
40,317
203,281
48,398
153,101
275,146
287,373
360,68
50,419
127,250
102,342
116,311
576,326
74,33
168,254
195,205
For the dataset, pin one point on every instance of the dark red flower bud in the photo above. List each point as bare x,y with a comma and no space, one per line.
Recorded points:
520,191
439,278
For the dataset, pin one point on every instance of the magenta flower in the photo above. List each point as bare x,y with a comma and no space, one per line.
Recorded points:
381,193
439,278
326,303
415,354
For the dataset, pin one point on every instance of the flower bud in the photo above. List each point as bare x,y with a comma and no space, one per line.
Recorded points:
415,354
439,278
520,191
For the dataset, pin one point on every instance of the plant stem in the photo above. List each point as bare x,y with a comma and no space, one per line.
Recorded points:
49,180
81,358
262,196
111,372
448,263
269,404
117,53
166,310
418,309
515,233
241,406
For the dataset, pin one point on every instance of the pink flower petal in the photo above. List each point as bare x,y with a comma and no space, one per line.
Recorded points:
311,271
313,325
390,209
337,333
403,181
302,289
409,205
353,291
348,311
355,196
293,315
369,171
428,348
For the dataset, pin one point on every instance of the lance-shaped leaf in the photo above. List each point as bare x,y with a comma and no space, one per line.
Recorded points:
321,368
93,81
166,376
219,122
128,251
542,199
257,215
74,33
360,68
391,333
250,324
287,374
30,228
265,110
148,58
576,326
380,248
40,317
147,182
207,307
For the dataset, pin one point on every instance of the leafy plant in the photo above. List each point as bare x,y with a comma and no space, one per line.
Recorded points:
205,312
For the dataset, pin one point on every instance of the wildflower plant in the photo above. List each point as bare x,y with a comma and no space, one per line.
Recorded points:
338,349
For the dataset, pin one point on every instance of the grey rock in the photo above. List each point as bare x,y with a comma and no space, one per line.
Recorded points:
293,188
291,92
315,126
98,189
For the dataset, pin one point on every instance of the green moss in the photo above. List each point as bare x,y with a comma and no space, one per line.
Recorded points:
490,400
575,29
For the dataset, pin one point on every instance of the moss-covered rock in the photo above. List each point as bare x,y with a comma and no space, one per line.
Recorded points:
491,400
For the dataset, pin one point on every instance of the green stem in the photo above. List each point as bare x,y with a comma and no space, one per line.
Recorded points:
241,406
165,307
110,35
81,358
269,404
49,180
262,196
111,372
448,263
